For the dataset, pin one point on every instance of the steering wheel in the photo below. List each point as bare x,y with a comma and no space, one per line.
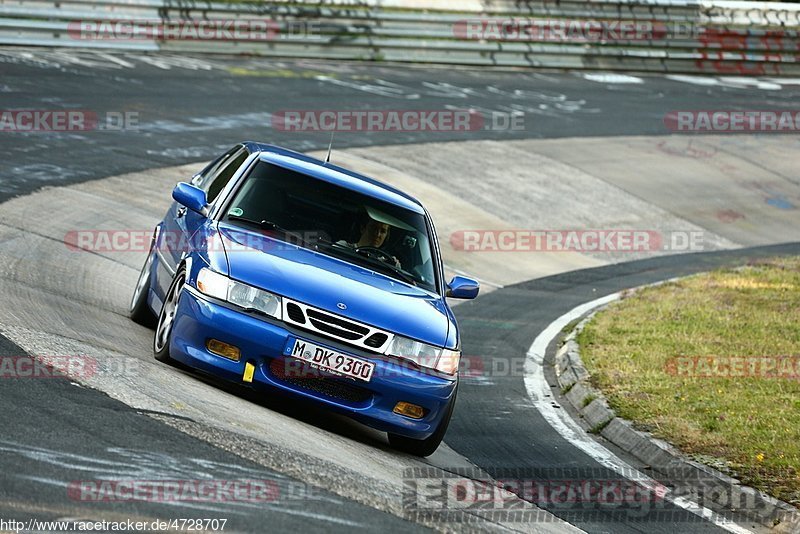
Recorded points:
375,252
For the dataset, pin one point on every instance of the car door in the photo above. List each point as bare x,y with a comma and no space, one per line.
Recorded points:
180,225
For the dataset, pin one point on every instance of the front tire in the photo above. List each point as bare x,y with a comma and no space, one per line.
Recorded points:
166,319
425,447
139,311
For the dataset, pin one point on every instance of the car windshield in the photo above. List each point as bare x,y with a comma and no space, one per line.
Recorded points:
336,221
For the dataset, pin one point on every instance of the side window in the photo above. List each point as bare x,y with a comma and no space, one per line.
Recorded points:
226,171
219,172
203,178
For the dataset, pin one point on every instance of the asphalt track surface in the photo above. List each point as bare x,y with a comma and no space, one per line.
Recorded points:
55,431
499,429
190,111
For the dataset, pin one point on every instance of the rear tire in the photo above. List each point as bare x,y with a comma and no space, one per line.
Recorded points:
139,311
166,319
425,447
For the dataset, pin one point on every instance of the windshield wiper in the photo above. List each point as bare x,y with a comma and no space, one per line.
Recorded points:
269,225
387,266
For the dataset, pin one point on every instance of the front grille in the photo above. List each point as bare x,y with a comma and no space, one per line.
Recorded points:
338,332
342,324
336,326
307,378
376,340
295,313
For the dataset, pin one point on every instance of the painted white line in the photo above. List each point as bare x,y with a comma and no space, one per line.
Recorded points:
784,81
611,77
114,59
697,80
541,394
739,82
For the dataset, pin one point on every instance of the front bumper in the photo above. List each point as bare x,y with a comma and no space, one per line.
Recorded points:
262,342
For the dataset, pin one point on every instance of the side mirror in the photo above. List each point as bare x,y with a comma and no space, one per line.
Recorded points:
462,288
192,197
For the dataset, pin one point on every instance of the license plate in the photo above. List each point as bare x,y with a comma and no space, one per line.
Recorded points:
330,360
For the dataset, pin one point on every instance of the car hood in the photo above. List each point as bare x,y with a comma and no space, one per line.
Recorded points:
325,282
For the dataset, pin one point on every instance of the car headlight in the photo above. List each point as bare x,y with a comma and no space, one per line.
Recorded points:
213,284
242,295
448,361
424,355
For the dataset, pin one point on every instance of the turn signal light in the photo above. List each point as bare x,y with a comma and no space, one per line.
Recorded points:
223,349
409,410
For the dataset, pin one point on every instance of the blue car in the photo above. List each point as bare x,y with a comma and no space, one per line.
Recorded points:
283,272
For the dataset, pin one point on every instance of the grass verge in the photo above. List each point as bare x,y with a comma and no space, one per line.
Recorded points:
711,363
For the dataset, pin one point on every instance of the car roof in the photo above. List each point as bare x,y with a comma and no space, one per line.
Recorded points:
295,161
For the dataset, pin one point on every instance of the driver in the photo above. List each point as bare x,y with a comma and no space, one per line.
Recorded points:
373,234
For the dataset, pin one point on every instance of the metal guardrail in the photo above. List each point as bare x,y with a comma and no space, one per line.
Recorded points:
694,37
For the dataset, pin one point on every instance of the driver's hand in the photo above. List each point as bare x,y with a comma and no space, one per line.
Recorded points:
396,262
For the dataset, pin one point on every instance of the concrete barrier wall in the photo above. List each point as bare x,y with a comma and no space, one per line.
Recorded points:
715,37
